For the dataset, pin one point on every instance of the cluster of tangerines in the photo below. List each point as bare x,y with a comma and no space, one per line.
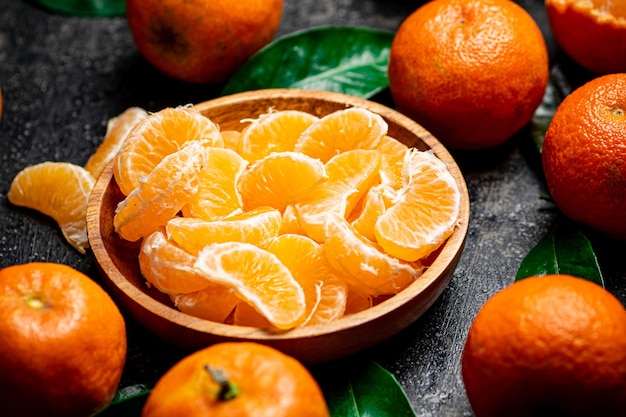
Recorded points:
294,220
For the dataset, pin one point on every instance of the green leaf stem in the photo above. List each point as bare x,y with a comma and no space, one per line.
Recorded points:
565,250
349,60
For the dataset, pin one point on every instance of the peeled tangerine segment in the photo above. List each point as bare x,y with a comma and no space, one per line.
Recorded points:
60,190
158,135
258,277
255,226
367,269
161,195
216,302
117,130
168,267
273,132
350,176
279,179
217,196
425,210
325,291
341,131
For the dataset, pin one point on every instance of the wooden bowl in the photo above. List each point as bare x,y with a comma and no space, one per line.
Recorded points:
117,259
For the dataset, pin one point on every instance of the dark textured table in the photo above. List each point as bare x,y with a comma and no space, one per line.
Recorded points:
62,78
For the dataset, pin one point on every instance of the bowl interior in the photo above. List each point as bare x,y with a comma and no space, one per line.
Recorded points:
117,259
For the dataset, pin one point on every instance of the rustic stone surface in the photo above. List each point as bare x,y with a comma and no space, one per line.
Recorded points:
62,78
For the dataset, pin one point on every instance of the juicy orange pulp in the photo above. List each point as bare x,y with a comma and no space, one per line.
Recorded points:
296,220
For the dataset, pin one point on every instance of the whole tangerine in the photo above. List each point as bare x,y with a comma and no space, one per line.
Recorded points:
547,345
591,32
236,379
63,342
202,41
472,72
584,155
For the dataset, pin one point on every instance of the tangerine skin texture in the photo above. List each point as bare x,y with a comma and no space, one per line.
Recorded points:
547,346
470,71
592,33
270,383
64,358
202,41
584,155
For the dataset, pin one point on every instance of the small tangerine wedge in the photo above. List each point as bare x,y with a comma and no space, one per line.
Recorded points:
340,131
273,132
350,175
246,315
372,207
425,211
117,130
157,136
279,179
291,223
162,194
258,277
217,195
393,153
367,268
231,139
168,267
325,291
59,190
242,379
357,302
255,226
215,302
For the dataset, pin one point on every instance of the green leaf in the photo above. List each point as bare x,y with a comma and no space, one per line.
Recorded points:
565,250
557,89
364,390
128,401
349,60
87,8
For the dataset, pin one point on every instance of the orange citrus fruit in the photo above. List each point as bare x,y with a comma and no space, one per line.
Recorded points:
217,195
279,179
157,136
306,228
325,291
168,267
63,342
362,263
60,190
256,226
592,32
350,174
425,210
117,130
584,155
273,132
550,345
161,194
237,379
258,277
215,302
340,131
202,41
470,71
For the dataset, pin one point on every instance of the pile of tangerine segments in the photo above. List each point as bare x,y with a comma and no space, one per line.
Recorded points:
296,220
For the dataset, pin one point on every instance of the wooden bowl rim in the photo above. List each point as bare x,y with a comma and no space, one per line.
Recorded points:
449,252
